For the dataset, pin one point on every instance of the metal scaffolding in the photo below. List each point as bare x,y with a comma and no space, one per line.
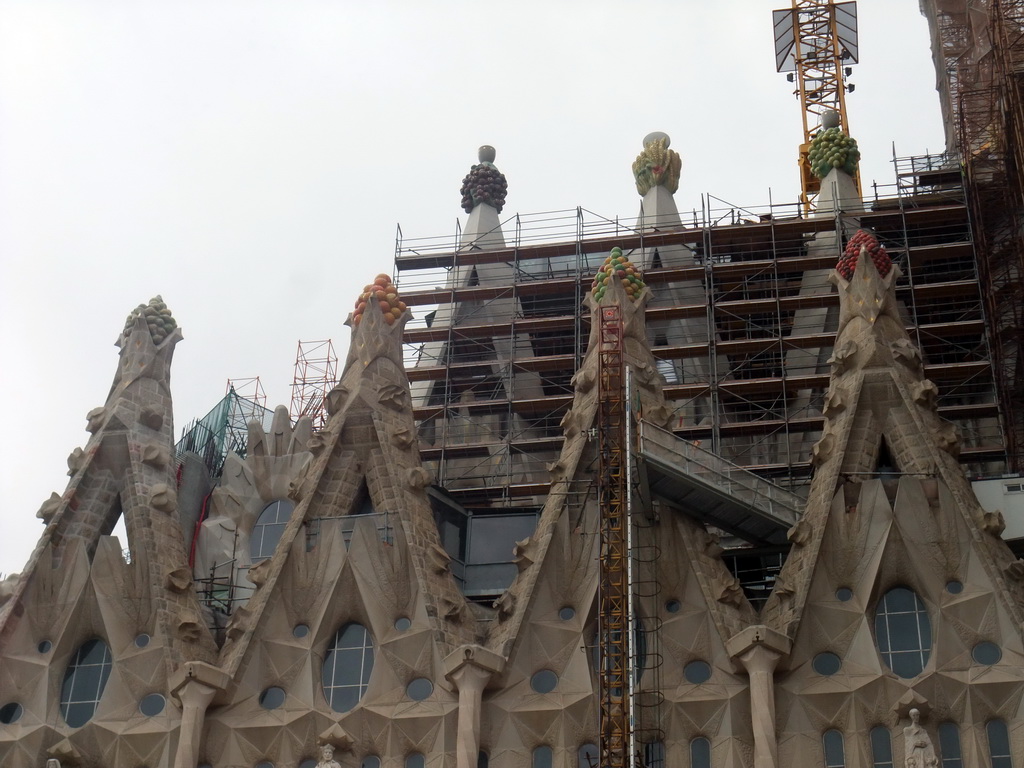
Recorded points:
742,325
316,372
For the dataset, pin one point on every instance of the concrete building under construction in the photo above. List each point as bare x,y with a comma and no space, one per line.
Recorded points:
700,489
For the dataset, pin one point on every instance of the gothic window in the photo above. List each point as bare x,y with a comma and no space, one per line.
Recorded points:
835,751
347,667
542,757
881,747
700,753
268,529
949,746
903,632
998,744
84,680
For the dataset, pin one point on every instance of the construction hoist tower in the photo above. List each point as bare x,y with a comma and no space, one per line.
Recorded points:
615,637
816,43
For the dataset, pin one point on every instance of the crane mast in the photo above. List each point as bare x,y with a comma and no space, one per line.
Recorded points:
816,43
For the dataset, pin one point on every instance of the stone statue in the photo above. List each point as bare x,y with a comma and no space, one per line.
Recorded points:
918,745
327,757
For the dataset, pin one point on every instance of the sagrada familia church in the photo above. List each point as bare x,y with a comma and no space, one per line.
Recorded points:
597,618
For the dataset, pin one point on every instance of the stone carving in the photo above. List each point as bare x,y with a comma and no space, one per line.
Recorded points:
151,417
835,402
583,380
179,580
418,477
154,455
327,757
842,356
918,744
53,763
49,508
523,553
556,469
657,165
76,460
439,559
392,396
505,605
189,628
948,440
336,399
257,574
730,592
163,499
925,393
403,438
318,441
800,533
452,609
569,423
993,523
904,351
823,449
95,418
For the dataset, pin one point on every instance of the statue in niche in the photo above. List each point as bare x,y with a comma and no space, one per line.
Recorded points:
327,757
918,744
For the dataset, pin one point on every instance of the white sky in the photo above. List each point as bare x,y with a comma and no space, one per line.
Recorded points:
250,160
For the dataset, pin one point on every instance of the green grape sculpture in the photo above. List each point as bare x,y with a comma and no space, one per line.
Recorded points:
618,267
832,148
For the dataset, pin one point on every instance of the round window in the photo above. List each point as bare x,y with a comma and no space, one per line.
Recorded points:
300,630
697,672
141,641
987,653
11,713
566,613
544,681
826,663
152,705
954,587
44,646
272,698
403,623
844,594
673,606
419,689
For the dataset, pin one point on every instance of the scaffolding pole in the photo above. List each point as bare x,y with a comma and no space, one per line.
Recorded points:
316,371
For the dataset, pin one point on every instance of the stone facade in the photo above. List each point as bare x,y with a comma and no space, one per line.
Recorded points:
898,596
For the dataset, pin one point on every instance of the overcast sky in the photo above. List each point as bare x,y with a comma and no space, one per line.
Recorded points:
250,162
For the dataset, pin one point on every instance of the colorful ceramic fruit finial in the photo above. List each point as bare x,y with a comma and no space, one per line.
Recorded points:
657,164
484,183
158,317
618,267
848,261
382,294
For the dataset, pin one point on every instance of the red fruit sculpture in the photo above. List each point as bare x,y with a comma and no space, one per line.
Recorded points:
848,262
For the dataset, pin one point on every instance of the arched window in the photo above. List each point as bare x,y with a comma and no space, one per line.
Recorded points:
654,754
835,751
542,757
998,744
881,747
903,632
587,756
268,529
415,760
949,746
84,680
347,667
700,753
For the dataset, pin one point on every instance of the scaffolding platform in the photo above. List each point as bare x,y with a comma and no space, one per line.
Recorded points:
713,490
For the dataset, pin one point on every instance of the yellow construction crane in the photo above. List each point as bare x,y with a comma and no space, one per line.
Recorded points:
816,43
